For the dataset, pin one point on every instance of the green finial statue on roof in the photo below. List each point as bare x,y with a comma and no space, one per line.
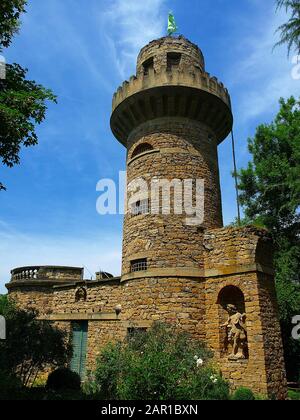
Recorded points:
172,27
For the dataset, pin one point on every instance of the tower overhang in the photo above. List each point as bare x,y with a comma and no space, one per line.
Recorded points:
196,96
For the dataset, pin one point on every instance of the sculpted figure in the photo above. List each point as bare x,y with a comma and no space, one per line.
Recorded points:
236,332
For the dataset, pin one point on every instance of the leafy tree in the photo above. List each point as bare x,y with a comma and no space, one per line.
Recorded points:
26,351
23,103
290,31
22,106
10,11
270,185
270,194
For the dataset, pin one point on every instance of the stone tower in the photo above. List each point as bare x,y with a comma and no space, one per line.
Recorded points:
171,117
178,267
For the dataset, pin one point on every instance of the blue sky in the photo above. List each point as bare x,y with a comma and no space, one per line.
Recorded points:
83,51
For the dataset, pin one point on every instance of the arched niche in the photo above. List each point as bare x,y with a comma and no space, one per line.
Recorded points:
80,295
232,323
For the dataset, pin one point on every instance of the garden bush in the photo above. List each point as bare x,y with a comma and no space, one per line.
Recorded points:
294,395
9,384
26,352
160,364
63,379
243,394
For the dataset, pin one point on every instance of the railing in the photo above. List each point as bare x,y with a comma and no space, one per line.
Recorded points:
25,273
52,273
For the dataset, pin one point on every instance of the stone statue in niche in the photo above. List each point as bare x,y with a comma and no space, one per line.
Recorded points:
236,333
81,295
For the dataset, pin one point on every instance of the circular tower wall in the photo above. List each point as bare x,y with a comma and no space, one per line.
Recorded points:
171,117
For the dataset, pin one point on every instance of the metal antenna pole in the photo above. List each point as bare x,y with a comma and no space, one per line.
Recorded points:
236,180
88,271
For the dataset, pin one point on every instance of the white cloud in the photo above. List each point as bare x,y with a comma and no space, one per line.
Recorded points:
263,75
18,249
133,24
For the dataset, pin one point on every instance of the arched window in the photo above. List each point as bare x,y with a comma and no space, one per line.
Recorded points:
141,148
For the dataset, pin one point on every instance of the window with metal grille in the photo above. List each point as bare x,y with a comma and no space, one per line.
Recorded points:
141,148
148,65
173,60
138,265
140,207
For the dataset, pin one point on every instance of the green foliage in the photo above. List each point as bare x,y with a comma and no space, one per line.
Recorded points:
270,194
294,395
23,103
243,394
9,382
290,31
22,106
10,11
63,379
270,185
26,350
157,365
5,305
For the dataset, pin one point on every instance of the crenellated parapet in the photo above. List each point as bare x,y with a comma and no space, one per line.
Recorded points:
198,80
169,51
171,93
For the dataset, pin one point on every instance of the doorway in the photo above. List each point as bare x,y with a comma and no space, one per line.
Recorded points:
79,342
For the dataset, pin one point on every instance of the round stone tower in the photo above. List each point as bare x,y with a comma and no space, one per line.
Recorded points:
171,117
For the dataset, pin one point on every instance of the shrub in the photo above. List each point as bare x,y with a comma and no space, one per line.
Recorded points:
63,379
9,385
160,364
294,395
26,351
8,381
243,394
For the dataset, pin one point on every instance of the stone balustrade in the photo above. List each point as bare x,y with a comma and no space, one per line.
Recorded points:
24,273
50,273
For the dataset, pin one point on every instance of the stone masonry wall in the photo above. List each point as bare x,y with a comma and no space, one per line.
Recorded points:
158,49
101,297
233,259
273,347
183,149
180,301
38,298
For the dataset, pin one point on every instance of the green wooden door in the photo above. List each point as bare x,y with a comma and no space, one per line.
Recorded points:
79,341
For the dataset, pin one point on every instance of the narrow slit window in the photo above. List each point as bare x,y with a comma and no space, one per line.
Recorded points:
148,65
173,60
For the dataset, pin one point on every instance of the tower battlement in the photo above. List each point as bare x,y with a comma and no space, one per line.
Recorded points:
168,85
190,54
